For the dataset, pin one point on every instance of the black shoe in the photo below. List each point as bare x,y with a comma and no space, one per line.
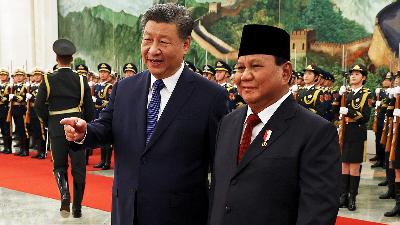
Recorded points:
388,195
77,213
6,151
383,183
344,200
24,153
100,165
377,164
64,209
352,203
375,158
106,167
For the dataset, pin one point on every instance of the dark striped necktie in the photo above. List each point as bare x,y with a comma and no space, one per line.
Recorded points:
154,108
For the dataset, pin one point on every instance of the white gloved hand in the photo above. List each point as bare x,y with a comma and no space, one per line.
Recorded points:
295,88
27,84
377,91
28,96
396,112
343,110
397,90
378,103
342,90
90,83
94,99
10,97
391,92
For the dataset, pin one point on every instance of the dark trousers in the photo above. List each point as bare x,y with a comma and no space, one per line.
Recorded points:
380,150
18,114
35,128
60,152
4,126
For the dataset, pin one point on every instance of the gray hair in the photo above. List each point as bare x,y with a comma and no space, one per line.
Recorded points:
170,13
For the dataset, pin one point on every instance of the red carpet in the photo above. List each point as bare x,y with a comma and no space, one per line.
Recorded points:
36,177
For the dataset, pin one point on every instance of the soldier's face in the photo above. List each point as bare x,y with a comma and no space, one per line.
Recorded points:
104,75
386,83
356,78
162,48
3,77
129,73
397,82
309,77
260,81
19,78
220,75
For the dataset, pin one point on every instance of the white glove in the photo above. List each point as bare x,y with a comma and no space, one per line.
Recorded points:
391,92
28,96
342,90
27,84
10,97
343,110
295,88
397,90
377,91
90,83
378,103
396,112
94,99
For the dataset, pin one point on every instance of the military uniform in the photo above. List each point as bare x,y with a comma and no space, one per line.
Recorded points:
129,67
4,125
101,97
356,113
67,94
209,72
312,98
18,110
235,100
35,127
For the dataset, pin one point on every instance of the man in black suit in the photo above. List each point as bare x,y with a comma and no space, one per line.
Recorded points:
162,123
276,162
67,94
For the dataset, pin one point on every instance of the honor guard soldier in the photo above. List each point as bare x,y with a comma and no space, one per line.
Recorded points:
356,113
222,73
35,127
129,69
209,72
386,138
82,69
396,159
18,109
4,125
67,94
190,65
328,98
102,92
300,79
310,96
382,102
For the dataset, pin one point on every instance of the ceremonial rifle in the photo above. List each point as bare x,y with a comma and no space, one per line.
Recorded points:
342,118
375,121
396,121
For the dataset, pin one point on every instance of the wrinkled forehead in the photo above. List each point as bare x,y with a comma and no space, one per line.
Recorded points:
255,58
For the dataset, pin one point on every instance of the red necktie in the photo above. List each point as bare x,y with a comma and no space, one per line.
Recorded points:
251,122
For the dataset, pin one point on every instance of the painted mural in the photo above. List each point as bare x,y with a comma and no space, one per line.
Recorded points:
330,33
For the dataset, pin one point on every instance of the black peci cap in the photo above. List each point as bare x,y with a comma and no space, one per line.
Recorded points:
264,39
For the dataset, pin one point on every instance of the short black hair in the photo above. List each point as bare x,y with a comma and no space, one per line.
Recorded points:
170,13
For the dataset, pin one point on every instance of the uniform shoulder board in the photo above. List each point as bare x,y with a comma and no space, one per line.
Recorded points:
365,90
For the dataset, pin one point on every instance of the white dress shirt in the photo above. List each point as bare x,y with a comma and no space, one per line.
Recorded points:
264,115
166,92
356,90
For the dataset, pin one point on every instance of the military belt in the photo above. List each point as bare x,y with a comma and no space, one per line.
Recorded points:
18,103
65,111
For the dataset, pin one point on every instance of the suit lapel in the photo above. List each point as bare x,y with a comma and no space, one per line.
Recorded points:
235,129
181,94
141,93
277,125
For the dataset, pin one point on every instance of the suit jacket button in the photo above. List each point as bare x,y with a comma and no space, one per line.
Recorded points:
227,209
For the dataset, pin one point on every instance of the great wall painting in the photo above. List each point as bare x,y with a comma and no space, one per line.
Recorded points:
320,31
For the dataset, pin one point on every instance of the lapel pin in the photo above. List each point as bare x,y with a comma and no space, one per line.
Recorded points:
267,136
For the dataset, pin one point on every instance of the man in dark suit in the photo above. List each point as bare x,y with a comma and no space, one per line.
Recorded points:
276,162
162,123
67,94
